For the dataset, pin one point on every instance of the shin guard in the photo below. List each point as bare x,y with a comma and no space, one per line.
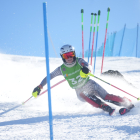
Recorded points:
114,99
118,101
95,102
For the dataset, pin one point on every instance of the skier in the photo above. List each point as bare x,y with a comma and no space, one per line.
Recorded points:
75,70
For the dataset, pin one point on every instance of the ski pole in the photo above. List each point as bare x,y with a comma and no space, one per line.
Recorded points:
112,85
105,38
90,35
99,12
93,38
52,87
82,11
45,90
27,100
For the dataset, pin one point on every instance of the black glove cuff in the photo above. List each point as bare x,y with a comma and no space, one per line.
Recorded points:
85,70
37,89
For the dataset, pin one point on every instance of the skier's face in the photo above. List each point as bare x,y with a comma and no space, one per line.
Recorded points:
69,60
68,57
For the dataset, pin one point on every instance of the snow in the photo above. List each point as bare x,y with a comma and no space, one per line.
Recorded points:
72,119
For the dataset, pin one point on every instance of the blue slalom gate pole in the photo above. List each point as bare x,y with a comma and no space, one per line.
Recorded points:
90,35
47,68
99,12
137,40
122,40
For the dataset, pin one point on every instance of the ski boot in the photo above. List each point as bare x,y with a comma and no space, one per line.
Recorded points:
128,106
123,111
108,109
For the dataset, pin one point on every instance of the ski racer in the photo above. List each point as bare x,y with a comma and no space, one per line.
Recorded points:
75,70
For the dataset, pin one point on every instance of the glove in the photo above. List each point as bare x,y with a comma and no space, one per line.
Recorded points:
36,91
84,72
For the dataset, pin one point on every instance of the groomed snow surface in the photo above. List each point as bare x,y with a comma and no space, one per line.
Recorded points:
72,119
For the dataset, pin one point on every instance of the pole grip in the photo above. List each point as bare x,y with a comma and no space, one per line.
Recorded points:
82,10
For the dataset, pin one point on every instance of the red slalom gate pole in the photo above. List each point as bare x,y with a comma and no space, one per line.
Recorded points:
108,10
103,51
82,11
45,91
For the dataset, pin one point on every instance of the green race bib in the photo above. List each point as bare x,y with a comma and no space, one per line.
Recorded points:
72,75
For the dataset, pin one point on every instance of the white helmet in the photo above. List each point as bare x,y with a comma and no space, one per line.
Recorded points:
65,49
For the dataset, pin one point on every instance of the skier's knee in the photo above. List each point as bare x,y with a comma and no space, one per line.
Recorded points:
92,99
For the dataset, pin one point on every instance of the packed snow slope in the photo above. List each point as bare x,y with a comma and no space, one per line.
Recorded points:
72,119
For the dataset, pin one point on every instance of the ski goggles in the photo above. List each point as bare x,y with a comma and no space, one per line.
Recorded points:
68,55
